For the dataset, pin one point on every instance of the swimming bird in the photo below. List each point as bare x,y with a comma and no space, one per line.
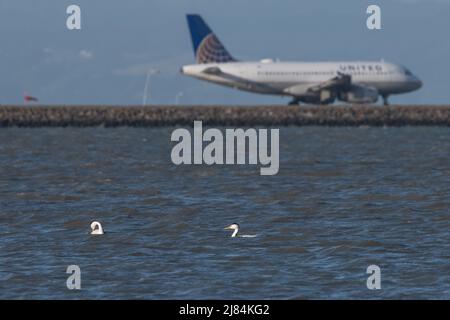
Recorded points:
96,228
235,227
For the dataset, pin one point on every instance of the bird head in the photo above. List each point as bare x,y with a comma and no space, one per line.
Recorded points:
233,226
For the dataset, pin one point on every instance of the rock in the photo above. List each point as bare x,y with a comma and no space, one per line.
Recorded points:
234,116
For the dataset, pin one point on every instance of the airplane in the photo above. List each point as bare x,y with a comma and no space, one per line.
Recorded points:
307,82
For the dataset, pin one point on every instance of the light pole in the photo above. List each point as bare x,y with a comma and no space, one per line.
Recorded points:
150,72
177,97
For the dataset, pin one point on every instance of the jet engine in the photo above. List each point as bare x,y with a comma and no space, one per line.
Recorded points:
322,97
359,94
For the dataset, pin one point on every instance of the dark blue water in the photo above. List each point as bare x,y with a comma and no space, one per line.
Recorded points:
344,198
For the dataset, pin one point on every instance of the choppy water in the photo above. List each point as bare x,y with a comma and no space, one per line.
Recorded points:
345,198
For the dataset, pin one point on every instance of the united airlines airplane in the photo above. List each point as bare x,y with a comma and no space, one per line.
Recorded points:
308,82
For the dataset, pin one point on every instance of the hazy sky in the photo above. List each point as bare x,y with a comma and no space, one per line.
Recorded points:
106,62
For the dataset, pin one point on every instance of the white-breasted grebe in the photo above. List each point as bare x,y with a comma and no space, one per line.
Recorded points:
96,228
235,227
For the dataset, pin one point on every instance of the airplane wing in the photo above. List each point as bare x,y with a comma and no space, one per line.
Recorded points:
339,82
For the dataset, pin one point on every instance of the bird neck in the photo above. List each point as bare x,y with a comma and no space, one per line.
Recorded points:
235,233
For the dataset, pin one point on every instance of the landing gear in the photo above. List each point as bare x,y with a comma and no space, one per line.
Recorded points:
385,100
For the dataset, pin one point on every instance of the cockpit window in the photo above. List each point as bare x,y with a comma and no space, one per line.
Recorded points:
408,73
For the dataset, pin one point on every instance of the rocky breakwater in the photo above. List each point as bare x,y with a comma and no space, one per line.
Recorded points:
111,116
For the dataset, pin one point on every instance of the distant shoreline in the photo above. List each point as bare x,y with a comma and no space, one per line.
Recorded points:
279,115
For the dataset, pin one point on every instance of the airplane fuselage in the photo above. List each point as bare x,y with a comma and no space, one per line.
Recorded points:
277,77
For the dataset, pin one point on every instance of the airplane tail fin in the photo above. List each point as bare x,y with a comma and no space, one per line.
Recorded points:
207,47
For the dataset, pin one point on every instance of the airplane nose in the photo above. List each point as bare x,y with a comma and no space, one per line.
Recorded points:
182,70
417,83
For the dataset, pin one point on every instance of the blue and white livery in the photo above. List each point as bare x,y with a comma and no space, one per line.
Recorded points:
309,82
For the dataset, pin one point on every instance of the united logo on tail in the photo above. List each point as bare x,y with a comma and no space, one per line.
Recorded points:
207,47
